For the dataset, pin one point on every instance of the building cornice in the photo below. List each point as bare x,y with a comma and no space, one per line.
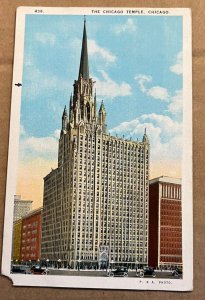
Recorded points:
166,179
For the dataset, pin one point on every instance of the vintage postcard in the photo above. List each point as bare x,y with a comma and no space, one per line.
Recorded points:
99,181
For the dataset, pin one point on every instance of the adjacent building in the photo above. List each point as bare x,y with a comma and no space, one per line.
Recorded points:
165,222
26,246
16,245
21,207
31,236
95,204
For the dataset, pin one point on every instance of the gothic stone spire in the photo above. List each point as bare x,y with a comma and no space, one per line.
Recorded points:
84,67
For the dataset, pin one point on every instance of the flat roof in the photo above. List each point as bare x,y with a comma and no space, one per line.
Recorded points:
23,201
32,212
17,198
166,179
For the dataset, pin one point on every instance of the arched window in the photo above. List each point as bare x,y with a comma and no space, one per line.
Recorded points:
82,109
88,111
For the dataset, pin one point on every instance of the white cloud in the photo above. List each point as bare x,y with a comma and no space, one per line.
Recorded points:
95,49
46,38
22,130
141,80
176,103
37,81
38,147
157,92
178,67
108,88
165,135
128,26
57,133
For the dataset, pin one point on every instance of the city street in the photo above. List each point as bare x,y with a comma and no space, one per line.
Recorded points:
65,272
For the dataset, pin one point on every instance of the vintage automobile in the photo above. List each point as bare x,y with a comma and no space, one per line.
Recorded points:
177,272
146,271
37,270
20,269
119,272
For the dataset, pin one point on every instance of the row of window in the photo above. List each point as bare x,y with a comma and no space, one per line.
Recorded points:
113,143
171,191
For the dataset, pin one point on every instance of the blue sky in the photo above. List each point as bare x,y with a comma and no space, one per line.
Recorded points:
52,46
137,64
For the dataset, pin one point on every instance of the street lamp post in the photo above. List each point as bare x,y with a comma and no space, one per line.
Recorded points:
38,262
59,261
79,261
112,262
47,262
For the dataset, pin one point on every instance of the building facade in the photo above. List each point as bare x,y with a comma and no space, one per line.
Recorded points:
31,236
21,207
16,245
95,205
165,222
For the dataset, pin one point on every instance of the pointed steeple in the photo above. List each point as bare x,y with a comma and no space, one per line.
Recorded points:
95,104
64,120
145,138
102,116
102,107
65,114
71,100
84,67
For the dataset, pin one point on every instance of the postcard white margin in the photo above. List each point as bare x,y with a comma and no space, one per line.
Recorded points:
185,284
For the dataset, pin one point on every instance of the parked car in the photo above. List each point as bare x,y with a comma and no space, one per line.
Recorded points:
37,270
20,269
146,271
119,272
177,272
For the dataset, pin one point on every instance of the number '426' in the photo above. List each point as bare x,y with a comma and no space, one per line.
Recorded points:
38,11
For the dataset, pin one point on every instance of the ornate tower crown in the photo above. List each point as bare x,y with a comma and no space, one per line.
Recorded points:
83,108
83,103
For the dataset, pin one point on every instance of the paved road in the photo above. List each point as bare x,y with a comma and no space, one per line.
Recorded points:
164,274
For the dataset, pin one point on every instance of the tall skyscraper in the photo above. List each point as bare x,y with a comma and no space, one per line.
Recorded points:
95,205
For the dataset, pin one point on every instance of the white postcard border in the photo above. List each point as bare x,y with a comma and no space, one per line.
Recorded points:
185,284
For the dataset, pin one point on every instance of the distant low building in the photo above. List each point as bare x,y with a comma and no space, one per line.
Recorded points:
21,207
165,222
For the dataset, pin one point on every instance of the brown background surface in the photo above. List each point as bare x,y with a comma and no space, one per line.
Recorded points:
7,27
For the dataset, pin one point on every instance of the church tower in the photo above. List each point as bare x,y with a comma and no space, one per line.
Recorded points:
83,108
95,205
